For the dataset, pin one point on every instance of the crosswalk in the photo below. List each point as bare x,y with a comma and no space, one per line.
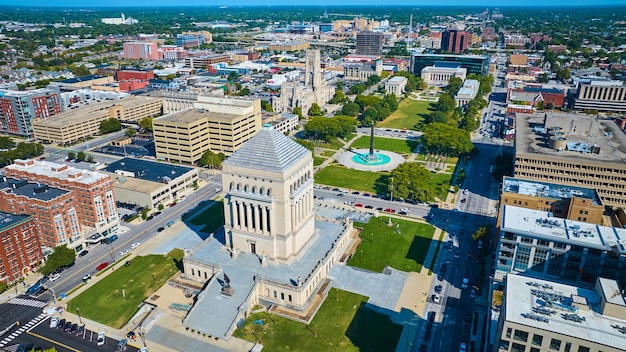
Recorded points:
26,327
28,302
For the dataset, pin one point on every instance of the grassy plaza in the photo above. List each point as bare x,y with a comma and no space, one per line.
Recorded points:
115,299
410,112
212,217
339,176
343,323
400,146
382,245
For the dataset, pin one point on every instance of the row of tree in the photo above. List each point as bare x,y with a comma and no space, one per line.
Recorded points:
22,150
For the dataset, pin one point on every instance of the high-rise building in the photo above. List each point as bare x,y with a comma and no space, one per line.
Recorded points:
141,50
455,41
92,191
19,109
20,251
600,95
369,43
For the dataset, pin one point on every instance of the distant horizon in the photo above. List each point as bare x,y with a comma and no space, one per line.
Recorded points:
304,3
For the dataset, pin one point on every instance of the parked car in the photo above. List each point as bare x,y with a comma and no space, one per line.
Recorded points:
135,245
73,328
81,330
101,338
121,345
54,321
102,266
83,253
67,326
61,324
160,229
55,277
123,253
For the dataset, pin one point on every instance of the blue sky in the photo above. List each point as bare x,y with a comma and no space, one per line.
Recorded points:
483,3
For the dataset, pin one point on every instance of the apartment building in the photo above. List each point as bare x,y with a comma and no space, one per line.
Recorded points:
455,40
572,150
541,315
567,202
600,95
92,191
217,123
84,121
19,109
535,242
141,51
53,210
149,183
20,251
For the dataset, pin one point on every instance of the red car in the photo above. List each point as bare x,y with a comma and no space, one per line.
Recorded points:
359,205
102,266
172,204
389,210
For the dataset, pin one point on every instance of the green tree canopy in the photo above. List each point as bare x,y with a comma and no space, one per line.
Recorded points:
6,142
443,138
265,105
110,125
61,256
358,88
412,181
315,110
71,155
328,128
81,156
146,123
210,159
351,109
130,132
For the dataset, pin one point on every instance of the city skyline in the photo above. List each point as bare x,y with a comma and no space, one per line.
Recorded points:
239,3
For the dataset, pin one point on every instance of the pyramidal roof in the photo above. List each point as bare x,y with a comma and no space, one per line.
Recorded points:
268,150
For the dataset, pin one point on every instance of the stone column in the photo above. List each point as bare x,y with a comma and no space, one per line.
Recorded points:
257,219
235,210
263,220
249,216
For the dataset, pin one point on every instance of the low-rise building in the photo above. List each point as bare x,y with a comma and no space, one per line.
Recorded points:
149,183
538,243
71,126
361,71
467,93
543,315
205,61
92,192
217,123
441,72
20,252
395,85
282,122
289,46
600,95
83,81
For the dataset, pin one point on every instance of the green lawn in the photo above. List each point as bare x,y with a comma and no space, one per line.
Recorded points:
318,160
335,144
103,302
401,146
441,182
327,153
381,245
212,217
339,176
343,323
409,113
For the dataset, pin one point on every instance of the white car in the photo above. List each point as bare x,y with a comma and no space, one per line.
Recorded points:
465,191
135,245
463,347
123,253
54,322
55,277
101,338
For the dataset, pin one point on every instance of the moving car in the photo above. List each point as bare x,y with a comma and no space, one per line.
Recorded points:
160,229
55,277
135,245
123,253
463,347
86,277
83,253
102,266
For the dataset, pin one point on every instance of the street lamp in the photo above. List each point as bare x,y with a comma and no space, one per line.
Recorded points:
79,318
390,202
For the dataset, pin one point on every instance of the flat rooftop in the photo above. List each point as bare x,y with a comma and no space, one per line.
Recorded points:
549,306
56,170
147,170
31,190
548,190
582,133
8,220
542,225
75,116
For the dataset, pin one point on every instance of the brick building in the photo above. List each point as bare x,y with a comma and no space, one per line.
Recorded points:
20,251
18,109
455,41
141,50
134,74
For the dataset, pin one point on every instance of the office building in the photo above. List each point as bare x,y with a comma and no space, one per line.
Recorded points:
567,202
282,122
205,61
543,315
609,96
467,93
19,109
396,85
276,252
149,183
217,123
369,43
288,46
189,40
572,150
441,72
20,252
53,210
141,51
455,41
478,64
538,243
92,192
73,125
361,71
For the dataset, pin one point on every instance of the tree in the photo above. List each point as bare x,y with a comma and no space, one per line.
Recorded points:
265,105
71,155
483,233
339,97
351,109
412,181
110,125
232,76
320,127
60,257
315,110
443,138
6,142
372,80
81,156
297,111
210,159
130,132
146,124
358,88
